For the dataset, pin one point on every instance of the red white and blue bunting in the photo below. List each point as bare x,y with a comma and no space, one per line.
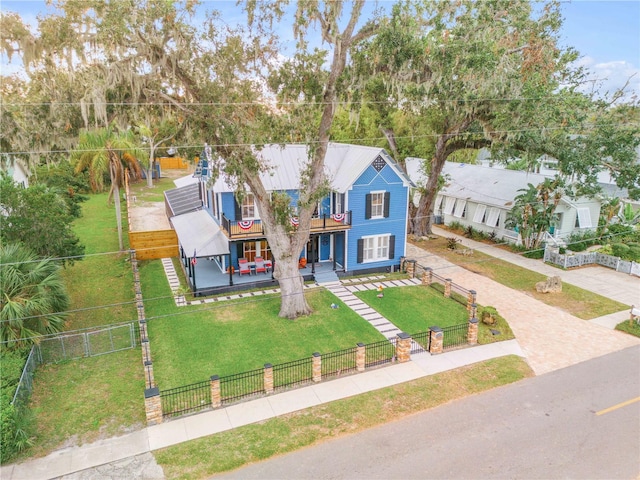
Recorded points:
295,221
339,217
245,224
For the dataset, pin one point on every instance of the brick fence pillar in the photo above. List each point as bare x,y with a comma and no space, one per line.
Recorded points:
447,287
361,357
411,268
149,380
403,347
317,367
471,299
216,399
473,311
153,406
472,332
268,378
427,276
436,340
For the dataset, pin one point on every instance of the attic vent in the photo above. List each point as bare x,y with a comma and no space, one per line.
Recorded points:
379,163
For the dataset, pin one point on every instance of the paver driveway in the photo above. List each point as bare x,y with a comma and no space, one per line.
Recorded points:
550,338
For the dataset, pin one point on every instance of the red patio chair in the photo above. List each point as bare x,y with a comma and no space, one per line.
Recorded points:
243,265
259,261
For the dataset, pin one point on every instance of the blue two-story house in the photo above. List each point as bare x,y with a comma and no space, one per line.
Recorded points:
360,227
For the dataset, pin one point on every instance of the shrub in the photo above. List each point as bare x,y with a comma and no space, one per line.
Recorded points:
535,254
15,424
452,243
634,254
456,226
493,236
562,250
578,246
469,232
606,250
619,249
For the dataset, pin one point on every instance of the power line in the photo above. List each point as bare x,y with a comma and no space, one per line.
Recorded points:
583,127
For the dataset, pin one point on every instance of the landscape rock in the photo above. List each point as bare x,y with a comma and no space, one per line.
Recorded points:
551,285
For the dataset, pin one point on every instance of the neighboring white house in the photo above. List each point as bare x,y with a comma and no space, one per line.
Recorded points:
16,170
481,196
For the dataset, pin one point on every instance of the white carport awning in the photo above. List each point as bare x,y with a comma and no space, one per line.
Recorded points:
199,233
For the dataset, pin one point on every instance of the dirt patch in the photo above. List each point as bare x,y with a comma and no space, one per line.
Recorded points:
147,216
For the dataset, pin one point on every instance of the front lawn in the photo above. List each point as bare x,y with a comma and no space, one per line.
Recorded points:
189,344
415,309
82,400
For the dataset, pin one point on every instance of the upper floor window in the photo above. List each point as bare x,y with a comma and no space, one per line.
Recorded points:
377,205
248,206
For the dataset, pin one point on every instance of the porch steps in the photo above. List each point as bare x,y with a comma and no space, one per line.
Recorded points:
327,278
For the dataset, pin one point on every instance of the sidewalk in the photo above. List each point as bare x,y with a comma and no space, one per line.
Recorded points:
76,459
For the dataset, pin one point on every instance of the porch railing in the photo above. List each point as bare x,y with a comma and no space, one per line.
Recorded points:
254,228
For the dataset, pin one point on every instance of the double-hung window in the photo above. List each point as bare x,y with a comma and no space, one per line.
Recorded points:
375,248
248,206
377,205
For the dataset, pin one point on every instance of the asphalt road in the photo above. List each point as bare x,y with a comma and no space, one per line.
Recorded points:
570,423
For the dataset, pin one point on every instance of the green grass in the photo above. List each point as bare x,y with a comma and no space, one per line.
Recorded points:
415,309
154,194
632,328
104,279
189,344
233,449
82,400
576,301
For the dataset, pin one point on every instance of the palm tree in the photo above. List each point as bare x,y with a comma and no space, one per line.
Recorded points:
104,150
33,299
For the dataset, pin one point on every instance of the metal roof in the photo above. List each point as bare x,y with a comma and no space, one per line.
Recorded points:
184,199
200,235
480,184
344,163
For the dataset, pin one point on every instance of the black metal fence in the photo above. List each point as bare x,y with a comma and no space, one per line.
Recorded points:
241,385
338,363
380,353
455,336
421,342
233,388
297,372
187,399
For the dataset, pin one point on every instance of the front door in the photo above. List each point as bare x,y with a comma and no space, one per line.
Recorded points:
313,249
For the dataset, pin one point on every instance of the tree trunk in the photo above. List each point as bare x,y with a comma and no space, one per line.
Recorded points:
152,161
116,194
286,247
293,303
423,215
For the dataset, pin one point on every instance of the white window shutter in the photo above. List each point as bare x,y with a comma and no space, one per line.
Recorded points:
479,215
448,205
584,218
459,211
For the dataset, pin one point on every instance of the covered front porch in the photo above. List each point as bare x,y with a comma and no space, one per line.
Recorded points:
207,277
